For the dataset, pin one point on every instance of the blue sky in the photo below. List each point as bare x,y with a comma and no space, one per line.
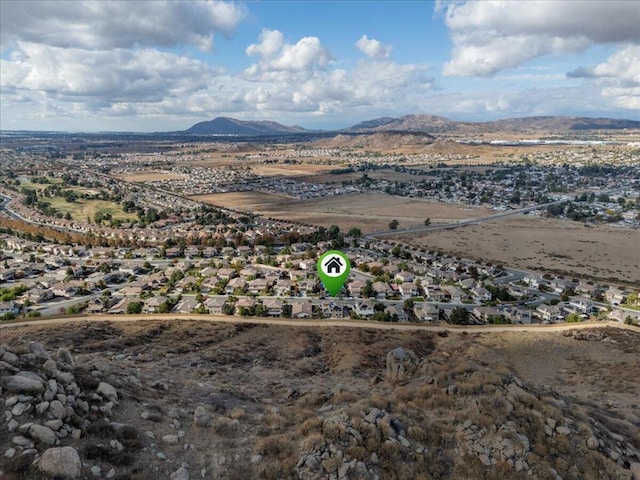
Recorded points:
164,65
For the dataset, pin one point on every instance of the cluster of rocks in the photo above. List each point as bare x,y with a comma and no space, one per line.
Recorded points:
44,406
329,458
496,444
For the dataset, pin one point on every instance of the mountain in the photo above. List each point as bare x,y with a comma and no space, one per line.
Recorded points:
434,124
232,126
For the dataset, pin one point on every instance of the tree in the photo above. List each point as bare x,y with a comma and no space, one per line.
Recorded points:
573,318
393,224
355,232
367,291
427,221
459,316
134,308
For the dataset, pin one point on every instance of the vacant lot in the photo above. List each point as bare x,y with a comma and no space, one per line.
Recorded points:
367,211
295,170
150,176
540,243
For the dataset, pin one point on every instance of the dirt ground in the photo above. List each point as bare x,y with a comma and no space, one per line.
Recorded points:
270,387
367,211
539,243
150,176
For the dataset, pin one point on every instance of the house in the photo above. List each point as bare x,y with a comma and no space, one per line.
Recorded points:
273,306
456,294
64,289
216,304
355,288
408,289
481,294
9,307
152,304
427,312
517,315
226,273
396,311
121,305
382,290
243,304
283,288
549,313
39,295
186,305
405,277
235,284
436,293
364,309
615,296
301,310
333,310
257,286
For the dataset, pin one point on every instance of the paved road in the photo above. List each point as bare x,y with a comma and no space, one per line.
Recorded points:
321,323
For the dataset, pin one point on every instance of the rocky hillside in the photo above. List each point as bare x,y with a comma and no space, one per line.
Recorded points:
186,400
545,124
377,141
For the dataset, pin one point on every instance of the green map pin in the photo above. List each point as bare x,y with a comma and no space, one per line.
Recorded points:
333,269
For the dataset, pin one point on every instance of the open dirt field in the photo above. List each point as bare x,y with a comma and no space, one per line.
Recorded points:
539,243
367,211
297,170
150,176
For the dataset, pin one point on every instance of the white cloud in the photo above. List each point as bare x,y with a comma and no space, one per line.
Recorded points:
490,36
278,56
373,48
619,77
112,76
114,24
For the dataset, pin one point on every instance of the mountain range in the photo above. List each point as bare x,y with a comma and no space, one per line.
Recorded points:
428,124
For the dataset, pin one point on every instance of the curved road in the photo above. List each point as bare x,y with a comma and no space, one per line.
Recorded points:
319,323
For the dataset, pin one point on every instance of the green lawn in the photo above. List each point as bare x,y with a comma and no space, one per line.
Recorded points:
40,186
81,209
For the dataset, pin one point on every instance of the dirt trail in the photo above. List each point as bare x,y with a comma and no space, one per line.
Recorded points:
320,323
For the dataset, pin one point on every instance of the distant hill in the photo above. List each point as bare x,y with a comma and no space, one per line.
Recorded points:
232,126
377,140
434,124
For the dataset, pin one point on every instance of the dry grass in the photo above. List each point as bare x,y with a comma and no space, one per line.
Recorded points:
150,176
539,243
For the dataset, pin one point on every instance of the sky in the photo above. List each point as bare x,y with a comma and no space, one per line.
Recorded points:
164,65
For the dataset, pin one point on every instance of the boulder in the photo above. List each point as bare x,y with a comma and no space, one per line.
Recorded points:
38,349
635,471
107,391
22,384
592,443
42,434
50,368
402,364
180,474
57,410
201,417
61,462
170,439
65,356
